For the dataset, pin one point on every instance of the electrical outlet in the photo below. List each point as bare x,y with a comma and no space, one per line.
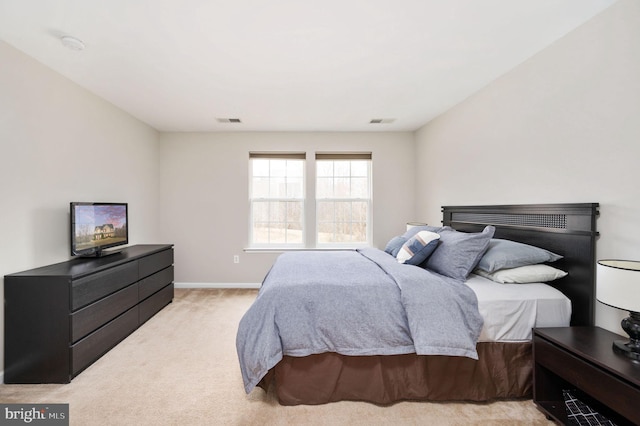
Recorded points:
236,258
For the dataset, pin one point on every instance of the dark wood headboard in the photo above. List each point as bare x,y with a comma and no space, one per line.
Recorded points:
565,229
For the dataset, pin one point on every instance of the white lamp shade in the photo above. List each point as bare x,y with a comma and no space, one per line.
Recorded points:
619,284
413,224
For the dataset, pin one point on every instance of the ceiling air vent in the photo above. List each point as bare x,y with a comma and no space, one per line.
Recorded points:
382,120
228,120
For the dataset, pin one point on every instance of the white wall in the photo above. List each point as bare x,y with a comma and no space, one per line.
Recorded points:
562,127
59,143
205,198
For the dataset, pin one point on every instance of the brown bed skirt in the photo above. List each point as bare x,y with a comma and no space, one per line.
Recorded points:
503,371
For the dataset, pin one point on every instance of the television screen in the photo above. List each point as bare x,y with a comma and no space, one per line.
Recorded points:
97,226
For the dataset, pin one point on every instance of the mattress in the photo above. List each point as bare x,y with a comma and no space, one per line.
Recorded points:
510,311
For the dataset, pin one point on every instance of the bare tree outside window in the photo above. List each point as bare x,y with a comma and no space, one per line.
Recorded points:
277,200
340,200
343,200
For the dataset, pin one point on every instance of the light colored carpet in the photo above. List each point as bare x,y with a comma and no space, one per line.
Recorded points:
180,368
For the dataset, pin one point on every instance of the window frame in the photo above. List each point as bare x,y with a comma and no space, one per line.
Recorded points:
368,199
309,219
297,156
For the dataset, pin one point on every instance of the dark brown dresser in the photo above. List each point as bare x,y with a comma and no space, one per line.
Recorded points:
61,318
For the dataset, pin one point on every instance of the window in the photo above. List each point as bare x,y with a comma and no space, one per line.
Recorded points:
336,213
277,199
343,198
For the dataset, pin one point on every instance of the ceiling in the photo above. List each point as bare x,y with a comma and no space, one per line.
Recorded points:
288,65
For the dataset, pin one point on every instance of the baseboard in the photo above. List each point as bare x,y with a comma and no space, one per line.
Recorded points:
216,285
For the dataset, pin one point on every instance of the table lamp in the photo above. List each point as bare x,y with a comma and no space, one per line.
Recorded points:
619,287
414,224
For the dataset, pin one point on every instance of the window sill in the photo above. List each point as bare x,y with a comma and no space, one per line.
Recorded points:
286,249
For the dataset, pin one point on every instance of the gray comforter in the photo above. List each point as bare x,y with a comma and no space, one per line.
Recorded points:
354,303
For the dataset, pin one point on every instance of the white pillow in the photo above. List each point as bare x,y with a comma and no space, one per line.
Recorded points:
523,274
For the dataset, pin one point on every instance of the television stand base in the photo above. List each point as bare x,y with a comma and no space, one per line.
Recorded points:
102,253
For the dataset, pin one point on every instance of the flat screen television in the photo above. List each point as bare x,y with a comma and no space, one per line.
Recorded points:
98,226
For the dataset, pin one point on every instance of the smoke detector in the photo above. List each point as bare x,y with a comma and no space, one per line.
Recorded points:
72,42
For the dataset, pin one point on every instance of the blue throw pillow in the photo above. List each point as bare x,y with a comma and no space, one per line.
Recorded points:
411,232
418,248
459,252
394,245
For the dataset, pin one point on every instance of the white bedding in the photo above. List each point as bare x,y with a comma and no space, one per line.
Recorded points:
510,311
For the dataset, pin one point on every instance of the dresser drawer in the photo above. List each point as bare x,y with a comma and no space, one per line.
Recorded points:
155,262
95,286
155,282
153,304
97,343
91,317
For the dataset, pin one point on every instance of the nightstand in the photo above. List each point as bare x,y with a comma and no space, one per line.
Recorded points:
582,358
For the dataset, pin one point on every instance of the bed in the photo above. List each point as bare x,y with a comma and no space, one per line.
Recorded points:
433,357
